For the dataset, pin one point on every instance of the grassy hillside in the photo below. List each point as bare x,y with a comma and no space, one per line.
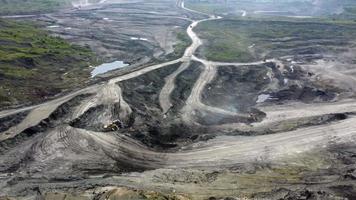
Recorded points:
31,6
247,40
208,7
323,8
34,65
349,13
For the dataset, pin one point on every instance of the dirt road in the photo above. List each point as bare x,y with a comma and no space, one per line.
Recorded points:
168,88
65,150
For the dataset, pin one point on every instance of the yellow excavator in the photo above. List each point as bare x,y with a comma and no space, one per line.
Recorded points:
114,126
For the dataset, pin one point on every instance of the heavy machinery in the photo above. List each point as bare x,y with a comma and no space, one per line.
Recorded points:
114,126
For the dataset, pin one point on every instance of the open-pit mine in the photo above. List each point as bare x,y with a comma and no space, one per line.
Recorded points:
180,118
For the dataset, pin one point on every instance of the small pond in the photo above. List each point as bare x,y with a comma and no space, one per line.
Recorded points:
103,68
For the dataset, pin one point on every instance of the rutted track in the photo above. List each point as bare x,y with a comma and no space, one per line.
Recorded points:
110,93
166,91
78,151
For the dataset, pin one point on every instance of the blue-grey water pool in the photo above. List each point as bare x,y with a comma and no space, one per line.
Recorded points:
103,68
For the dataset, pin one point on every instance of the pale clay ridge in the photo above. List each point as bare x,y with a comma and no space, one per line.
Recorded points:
217,152
222,151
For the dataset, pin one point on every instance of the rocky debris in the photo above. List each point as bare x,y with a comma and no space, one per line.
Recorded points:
311,195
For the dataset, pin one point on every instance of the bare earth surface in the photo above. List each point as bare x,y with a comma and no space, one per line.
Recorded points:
125,139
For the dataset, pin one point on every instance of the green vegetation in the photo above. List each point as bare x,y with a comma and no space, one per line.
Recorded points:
207,7
31,6
233,8
327,9
350,10
349,13
267,177
183,41
34,65
11,7
253,39
223,44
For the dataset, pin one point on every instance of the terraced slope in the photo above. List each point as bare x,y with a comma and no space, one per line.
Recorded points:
271,131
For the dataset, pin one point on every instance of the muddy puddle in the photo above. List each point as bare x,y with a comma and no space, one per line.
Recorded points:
103,68
262,98
139,38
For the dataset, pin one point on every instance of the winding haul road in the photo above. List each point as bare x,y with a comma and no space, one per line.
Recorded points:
67,142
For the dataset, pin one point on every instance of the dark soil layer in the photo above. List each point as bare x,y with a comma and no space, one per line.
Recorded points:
183,86
305,91
89,119
9,121
142,92
149,125
236,88
209,119
305,94
142,95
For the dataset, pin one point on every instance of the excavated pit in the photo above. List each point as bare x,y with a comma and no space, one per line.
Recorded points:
73,156
236,88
